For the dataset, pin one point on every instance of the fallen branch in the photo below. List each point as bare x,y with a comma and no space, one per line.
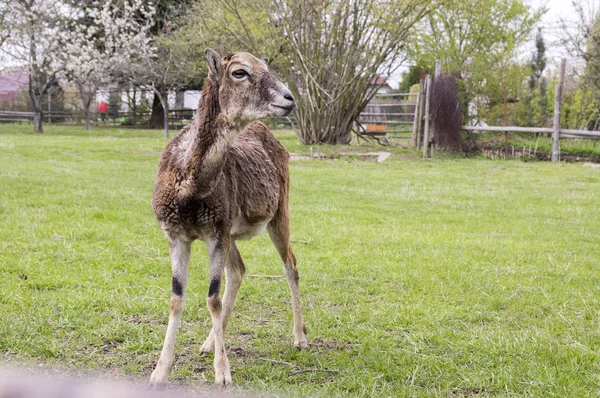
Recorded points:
303,243
298,370
265,276
280,362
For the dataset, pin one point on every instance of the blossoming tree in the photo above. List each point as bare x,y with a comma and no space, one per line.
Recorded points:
108,47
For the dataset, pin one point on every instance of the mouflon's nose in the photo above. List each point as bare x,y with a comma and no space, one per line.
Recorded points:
288,96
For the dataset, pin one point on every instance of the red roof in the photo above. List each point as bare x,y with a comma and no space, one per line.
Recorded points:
12,81
379,80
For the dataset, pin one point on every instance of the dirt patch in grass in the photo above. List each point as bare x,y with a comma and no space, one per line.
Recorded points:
349,155
466,392
322,345
145,319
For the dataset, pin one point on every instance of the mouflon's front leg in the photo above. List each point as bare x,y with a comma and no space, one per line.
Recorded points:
180,258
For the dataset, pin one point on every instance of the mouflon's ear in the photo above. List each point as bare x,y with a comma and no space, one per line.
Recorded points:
265,60
214,63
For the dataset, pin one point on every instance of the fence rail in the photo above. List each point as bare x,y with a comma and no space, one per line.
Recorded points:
177,118
544,130
389,116
128,118
393,113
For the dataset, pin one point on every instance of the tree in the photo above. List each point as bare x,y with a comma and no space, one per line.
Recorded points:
410,78
34,38
158,68
328,52
533,108
592,56
4,27
477,41
538,60
167,18
580,35
580,110
226,25
581,38
338,49
105,38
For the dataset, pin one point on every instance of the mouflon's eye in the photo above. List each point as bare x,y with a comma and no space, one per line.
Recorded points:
239,73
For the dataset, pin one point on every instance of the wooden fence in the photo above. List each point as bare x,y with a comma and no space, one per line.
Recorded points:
423,128
177,118
390,116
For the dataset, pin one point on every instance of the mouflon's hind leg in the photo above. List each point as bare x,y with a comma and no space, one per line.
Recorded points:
219,250
180,258
234,274
279,231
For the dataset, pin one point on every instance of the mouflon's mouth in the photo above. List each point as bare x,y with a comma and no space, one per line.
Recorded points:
285,108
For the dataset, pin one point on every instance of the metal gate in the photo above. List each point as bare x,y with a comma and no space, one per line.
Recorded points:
390,116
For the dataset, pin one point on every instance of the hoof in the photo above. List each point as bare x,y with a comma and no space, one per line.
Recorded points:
223,382
156,382
160,376
209,344
301,344
207,347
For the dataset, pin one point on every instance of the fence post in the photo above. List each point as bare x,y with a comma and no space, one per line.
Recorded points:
427,116
557,112
505,123
413,138
420,127
432,135
438,68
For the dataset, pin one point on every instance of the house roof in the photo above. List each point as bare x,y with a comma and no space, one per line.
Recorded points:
379,80
13,80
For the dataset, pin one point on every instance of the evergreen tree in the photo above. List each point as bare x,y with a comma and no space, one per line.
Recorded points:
538,60
537,83
114,105
410,78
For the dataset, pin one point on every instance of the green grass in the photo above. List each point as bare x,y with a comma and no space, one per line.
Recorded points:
451,277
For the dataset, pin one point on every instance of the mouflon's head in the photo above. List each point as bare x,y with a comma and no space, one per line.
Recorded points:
248,90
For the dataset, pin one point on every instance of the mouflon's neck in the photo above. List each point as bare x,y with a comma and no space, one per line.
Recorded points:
213,136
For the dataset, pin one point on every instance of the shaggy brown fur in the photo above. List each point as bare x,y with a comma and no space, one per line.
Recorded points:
224,178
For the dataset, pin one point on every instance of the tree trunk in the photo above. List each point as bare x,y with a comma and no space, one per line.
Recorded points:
344,136
164,105
38,117
87,112
158,112
166,123
88,122
86,101
37,121
132,102
316,129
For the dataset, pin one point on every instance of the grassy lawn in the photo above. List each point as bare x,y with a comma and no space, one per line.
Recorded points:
444,277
